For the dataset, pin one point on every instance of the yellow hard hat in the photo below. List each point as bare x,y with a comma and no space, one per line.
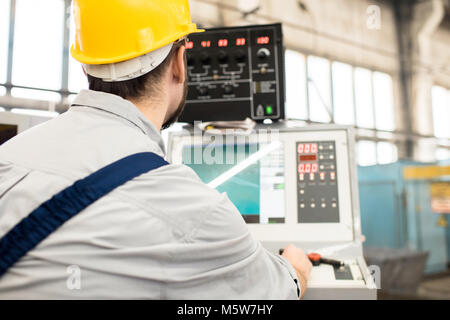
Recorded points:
111,31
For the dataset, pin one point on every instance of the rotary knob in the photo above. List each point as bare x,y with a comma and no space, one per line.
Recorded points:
228,89
222,57
203,91
263,53
240,56
205,58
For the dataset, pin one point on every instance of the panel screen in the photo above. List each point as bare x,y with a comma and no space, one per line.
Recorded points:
252,175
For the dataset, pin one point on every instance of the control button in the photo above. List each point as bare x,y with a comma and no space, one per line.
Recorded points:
216,77
333,175
331,147
322,167
222,57
302,191
263,70
313,205
332,167
228,89
302,205
312,176
321,147
301,176
321,157
324,205
331,157
240,56
263,53
334,204
205,58
203,91
260,111
322,176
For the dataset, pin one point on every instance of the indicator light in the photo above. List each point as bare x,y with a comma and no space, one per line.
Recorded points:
269,110
189,45
240,41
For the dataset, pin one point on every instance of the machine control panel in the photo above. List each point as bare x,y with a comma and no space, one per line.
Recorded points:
235,73
317,182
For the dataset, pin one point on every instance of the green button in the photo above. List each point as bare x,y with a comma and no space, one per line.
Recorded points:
269,110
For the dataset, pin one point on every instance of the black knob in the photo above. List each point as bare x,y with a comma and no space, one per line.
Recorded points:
222,56
228,89
205,58
240,56
203,91
263,53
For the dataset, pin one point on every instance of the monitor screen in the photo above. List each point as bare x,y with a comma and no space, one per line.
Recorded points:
252,175
7,131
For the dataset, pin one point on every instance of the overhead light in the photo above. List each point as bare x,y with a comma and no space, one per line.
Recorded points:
248,7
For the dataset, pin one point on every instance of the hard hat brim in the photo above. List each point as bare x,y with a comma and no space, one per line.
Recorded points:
77,55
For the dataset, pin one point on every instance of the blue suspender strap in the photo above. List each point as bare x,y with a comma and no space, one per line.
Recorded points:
53,213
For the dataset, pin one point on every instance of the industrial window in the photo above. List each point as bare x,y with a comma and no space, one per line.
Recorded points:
363,98
296,106
441,111
344,111
33,112
350,95
371,153
37,60
35,94
442,154
4,36
386,153
319,89
366,153
77,79
384,101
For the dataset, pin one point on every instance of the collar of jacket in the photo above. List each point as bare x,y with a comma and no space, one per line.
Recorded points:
121,108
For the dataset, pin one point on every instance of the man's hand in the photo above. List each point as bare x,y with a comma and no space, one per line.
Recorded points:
300,261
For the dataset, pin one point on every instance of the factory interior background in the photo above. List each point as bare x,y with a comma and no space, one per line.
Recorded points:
382,67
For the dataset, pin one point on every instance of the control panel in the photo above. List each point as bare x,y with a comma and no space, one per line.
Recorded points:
235,73
317,182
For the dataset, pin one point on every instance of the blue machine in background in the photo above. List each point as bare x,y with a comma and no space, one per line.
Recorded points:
396,213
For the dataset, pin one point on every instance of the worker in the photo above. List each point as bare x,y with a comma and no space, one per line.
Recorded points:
89,208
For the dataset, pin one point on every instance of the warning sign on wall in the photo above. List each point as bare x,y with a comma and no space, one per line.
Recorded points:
440,197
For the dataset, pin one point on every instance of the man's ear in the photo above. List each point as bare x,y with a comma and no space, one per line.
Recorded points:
179,67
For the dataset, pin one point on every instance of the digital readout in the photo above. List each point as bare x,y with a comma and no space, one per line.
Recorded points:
309,157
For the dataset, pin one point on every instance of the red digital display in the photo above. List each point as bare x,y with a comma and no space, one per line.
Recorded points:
307,148
189,45
310,157
223,43
263,40
308,168
206,44
240,41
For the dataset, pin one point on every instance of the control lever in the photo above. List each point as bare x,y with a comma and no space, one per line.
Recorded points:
317,259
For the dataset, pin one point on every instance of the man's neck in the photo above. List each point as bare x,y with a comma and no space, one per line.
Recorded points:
154,110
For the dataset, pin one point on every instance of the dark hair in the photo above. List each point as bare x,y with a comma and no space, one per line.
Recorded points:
137,87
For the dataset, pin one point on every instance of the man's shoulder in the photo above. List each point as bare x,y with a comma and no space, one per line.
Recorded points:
177,195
